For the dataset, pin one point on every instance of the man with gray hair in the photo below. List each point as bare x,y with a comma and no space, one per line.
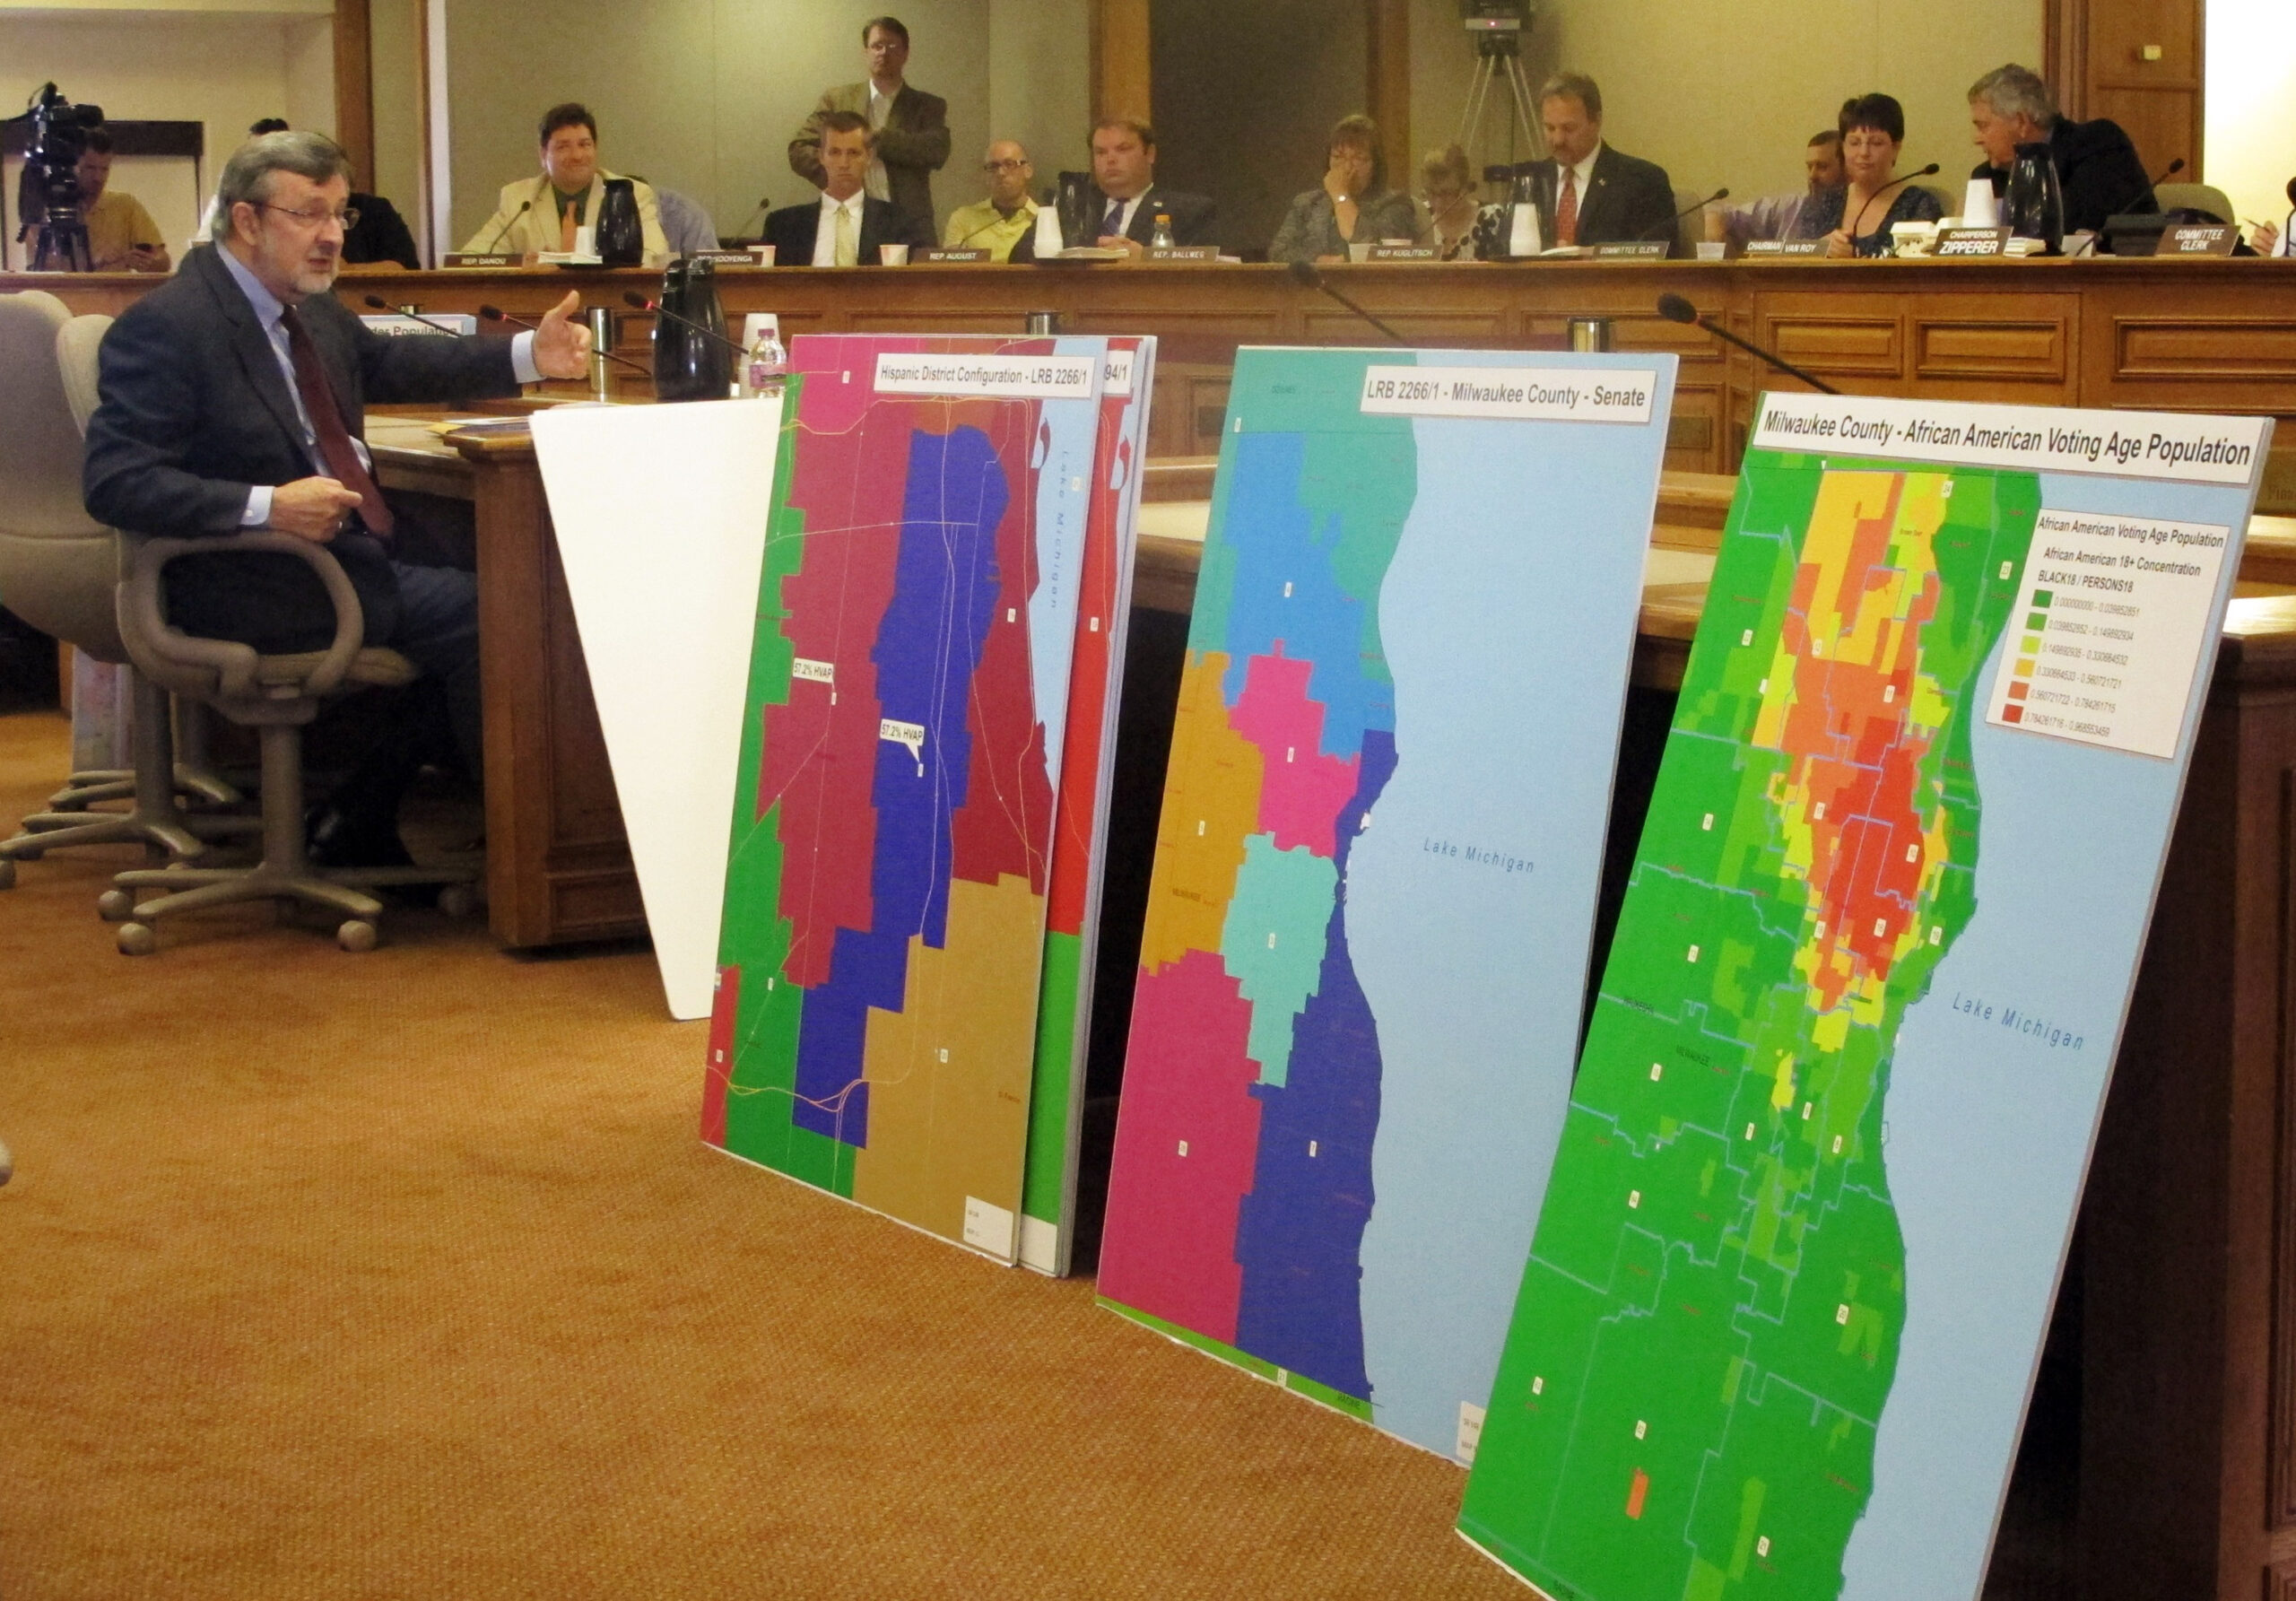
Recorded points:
233,397
2097,164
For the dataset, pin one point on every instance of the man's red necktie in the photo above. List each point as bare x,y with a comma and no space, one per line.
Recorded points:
326,424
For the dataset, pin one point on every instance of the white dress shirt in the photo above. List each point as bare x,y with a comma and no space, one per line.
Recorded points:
1583,175
825,231
267,311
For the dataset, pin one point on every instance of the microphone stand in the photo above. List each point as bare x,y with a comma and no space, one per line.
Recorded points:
632,297
1675,309
1304,273
503,232
496,314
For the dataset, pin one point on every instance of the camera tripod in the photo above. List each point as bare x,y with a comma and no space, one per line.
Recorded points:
1499,57
60,243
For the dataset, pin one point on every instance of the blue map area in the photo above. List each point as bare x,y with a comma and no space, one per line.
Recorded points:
928,648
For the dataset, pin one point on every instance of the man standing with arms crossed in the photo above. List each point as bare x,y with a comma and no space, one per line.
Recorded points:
908,128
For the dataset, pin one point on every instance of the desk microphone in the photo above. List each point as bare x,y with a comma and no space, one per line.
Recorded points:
1304,273
1928,171
632,297
1675,309
496,314
380,304
764,205
2151,184
1657,227
503,232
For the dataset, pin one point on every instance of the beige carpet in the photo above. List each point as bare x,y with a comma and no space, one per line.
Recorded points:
407,1275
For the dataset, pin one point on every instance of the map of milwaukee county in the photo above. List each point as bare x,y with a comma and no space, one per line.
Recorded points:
1365,955
885,893
1711,1316
1071,942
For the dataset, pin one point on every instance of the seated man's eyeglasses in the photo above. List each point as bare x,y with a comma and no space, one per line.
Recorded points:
1001,166
348,216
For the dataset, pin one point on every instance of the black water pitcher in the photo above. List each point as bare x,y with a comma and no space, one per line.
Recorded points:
688,363
621,235
2032,207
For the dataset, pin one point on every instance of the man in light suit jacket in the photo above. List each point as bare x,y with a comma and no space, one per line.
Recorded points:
1587,193
846,227
910,127
1127,199
232,396
542,214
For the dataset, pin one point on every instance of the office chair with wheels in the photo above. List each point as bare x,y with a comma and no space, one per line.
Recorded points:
59,568
276,695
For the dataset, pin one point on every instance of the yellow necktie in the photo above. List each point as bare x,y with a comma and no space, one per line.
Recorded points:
848,248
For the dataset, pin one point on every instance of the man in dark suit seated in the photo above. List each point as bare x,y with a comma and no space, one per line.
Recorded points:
1587,193
2097,165
847,225
232,396
1127,199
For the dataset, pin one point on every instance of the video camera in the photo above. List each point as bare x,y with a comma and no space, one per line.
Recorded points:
1496,26
47,192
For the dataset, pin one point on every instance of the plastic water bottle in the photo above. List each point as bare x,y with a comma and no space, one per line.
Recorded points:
1161,239
769,365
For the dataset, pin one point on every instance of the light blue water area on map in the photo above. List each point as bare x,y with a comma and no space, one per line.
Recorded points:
1062,453
1507,617
1987,1130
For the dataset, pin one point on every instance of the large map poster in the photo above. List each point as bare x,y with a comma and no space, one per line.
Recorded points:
1797,1253
1088,766
885,896
1365,949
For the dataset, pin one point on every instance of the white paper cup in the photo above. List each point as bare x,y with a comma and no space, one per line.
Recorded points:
585,241
894,255
764,254
1978,206
1359,252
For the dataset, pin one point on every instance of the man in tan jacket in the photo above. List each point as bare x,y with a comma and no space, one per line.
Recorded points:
542,214
909,129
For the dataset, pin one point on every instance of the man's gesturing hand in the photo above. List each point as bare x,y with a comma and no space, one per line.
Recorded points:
562,347
311,508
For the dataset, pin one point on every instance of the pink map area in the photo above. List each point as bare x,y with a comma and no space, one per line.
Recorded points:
1301,790
1185,1149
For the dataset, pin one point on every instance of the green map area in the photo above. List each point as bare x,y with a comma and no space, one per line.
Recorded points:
1709,1325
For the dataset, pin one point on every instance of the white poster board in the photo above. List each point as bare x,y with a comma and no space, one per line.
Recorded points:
661,515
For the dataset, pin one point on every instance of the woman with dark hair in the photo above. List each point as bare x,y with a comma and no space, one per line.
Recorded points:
1355,205
1853,219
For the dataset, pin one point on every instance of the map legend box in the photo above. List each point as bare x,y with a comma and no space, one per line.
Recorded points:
2116,614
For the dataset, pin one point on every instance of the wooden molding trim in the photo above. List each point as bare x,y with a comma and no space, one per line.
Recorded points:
354,90
1121,40
1388,67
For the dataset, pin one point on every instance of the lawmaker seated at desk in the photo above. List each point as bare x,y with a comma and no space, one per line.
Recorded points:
2097,166
1589,193
537,214
996,223
1854,220
1447,188
847,226
233,398
1127,199
1778,216
122,238
1352,206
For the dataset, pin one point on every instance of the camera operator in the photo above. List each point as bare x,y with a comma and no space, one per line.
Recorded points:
122,238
